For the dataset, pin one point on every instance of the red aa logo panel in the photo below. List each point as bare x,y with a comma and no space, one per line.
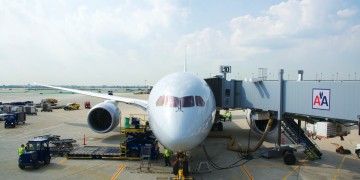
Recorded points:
321,99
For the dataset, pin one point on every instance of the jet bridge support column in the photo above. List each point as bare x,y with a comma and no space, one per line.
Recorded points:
359,124
280,110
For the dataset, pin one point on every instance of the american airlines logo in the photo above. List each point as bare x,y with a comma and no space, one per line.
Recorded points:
321,99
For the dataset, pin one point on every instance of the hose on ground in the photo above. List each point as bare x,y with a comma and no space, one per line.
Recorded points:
240,149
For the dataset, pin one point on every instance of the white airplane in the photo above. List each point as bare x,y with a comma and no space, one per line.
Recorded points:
181,109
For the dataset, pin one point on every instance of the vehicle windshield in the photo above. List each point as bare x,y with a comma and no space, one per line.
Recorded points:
33,146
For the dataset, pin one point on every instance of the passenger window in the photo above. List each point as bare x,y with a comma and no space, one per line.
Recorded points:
187,101
171,101
160,101
199,101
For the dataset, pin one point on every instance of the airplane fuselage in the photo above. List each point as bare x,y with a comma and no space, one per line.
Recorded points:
181,111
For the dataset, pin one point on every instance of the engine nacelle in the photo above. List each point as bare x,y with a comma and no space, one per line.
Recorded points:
104,117
257,120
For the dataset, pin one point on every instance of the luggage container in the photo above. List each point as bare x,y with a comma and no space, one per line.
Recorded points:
17,109
30,110
20,117
46,107
7,109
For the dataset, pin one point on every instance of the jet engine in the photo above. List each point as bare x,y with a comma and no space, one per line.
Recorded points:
104,117
257,120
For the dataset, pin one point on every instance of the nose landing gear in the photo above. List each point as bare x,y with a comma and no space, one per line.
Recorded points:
181,167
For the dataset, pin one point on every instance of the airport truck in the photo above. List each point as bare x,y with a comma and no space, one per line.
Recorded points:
10,121
37,152
14,119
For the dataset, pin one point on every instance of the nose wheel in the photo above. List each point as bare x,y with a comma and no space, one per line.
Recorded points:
181,167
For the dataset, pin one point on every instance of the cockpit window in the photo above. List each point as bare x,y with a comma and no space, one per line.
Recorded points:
160,101
171,101
187,101
199,101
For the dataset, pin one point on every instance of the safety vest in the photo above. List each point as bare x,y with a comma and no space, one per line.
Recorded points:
21,150
166,153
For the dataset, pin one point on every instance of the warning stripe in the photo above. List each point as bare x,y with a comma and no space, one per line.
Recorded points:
247,172
121,168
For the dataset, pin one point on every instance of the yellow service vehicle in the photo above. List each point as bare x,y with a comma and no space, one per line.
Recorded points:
71,106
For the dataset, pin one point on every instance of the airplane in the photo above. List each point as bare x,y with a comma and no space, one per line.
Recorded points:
181,109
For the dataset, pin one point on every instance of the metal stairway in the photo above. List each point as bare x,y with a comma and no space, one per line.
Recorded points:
292,132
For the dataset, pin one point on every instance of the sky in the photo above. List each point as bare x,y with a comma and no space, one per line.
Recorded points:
124,42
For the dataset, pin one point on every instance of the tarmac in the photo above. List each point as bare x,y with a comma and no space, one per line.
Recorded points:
223,164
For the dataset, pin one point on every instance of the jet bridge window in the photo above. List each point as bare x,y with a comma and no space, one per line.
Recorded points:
187,101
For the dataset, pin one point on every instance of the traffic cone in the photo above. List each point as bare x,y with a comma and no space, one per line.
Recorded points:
84,140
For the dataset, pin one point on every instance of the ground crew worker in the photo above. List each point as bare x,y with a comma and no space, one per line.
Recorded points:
21,149
225,116
167,157
230,115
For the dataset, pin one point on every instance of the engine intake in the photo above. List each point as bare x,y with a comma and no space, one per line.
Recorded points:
104,117
258,121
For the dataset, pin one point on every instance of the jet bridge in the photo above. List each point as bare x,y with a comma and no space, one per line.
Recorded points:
312,101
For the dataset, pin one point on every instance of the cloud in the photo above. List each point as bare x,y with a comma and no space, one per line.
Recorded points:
82,38
287,22
102,41
346,12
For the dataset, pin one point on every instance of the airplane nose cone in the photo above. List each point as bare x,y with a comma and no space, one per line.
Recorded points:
184,133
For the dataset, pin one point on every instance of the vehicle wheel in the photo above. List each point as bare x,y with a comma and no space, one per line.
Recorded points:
21,166
358,153
289,158
77,108
47,160
346,151
24,122
36,166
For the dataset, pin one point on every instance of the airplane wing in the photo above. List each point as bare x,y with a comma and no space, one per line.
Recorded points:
136,102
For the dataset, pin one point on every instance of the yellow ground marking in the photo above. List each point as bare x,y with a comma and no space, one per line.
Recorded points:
63,160
247,172
303,163
339,168
121,168
290,173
